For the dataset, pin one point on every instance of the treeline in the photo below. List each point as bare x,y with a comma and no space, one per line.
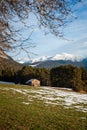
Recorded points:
27,73
64,76
21,75
70,77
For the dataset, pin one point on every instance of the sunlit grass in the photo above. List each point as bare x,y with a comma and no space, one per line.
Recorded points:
19,112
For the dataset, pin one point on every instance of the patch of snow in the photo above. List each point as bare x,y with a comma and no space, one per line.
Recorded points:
18,90
60,88
5,57
21,62
3,82
26,103
34,65
53,96
81,108
51,103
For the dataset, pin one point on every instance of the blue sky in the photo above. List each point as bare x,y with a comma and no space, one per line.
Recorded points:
74,41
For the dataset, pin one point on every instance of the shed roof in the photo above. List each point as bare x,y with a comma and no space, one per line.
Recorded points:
29,81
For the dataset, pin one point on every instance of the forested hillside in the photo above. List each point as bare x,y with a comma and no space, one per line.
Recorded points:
8,67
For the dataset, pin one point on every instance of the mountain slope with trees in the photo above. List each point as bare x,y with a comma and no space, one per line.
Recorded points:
8,67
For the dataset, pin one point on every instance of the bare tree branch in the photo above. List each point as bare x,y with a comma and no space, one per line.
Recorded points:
50,14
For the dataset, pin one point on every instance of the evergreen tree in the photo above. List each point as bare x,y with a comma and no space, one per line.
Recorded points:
84,78
66,76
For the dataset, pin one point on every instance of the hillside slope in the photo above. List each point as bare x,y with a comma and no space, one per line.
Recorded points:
7,61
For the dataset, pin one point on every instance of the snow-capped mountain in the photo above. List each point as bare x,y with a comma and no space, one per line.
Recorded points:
57,60
40,59
66,56
63,56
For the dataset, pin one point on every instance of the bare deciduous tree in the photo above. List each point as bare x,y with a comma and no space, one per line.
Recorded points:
51,14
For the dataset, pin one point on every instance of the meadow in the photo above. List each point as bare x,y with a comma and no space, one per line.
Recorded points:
41,108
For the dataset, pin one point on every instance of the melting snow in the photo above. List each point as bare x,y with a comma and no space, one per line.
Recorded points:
3,82
26,103
55,96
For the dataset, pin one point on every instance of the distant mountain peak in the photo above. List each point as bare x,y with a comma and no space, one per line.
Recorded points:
63,56
43,58
66,56
58,60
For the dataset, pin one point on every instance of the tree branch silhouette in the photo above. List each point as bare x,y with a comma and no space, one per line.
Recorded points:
50,14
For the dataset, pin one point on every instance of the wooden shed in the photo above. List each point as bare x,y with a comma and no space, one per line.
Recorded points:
33,82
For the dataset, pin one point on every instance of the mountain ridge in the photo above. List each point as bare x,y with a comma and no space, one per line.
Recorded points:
7,61
57,60
56,63
44,62
63,56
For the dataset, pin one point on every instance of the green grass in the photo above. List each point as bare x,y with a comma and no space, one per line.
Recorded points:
14,115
